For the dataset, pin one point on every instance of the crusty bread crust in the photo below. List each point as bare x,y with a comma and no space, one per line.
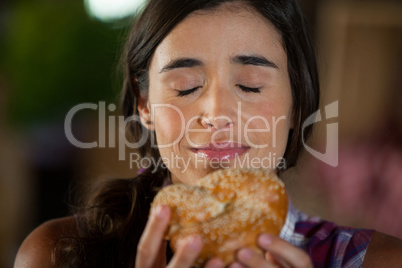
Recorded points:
228,208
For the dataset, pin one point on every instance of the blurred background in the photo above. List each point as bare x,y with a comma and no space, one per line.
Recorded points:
55,55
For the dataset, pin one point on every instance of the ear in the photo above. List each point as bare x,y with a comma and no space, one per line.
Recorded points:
145,113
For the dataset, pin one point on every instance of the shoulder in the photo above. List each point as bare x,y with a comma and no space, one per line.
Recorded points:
36,249
383,251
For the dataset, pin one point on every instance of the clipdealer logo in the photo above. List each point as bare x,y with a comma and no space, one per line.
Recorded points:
331,111
330,156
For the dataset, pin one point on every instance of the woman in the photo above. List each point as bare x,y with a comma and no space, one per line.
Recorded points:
215,83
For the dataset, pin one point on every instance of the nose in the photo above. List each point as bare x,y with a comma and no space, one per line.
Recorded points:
218,122
219,108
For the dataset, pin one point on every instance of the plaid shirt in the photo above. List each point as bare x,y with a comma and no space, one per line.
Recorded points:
327,244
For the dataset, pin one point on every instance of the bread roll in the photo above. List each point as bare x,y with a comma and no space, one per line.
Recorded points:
228,208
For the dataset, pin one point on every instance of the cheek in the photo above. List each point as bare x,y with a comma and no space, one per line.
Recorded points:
169,124
271,125
270,129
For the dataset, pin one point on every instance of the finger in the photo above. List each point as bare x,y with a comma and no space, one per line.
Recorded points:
284,252
152,237
250,258
237,265
214,263
270,258
187,252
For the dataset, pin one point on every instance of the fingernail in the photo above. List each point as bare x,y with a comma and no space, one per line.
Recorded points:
193,242
235,265
160,212
217,263
265,240
245,254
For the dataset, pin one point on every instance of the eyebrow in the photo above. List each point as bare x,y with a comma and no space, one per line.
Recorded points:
256,60
181,63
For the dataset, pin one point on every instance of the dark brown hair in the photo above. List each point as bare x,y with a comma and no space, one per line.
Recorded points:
113,218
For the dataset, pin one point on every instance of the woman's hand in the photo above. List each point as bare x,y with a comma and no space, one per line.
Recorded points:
279,253
151,251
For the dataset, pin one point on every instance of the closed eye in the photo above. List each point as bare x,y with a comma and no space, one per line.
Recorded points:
250,89
183,93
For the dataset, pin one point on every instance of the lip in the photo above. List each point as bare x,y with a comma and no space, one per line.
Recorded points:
220,151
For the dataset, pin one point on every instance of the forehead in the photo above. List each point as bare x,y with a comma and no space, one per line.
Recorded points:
235,29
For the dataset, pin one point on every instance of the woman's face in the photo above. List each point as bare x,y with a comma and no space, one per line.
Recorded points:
219,94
